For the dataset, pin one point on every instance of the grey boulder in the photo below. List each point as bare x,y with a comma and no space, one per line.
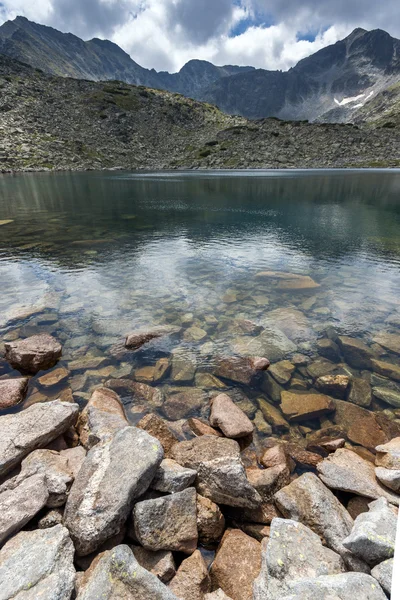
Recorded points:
33,354
373,536
34,427
113,475
345,586
38,564
293,552
171,477
117,574
221,476
383,574
390,478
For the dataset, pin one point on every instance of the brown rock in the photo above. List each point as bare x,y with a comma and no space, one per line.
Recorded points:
12,392
356,353
386,369
268,481
229,418
199,427
101,418
277,456
158,428
361,426
210,521
54,377
137,339
303,457
255,530
282,371
241,369
360,392
273,416
217,595
263,515
299,407
358,505
326,445
389,341
191,581
181,402
388,455
160,563
236,565
35,353
333,385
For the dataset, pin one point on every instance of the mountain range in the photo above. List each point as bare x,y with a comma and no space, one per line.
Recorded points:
340,83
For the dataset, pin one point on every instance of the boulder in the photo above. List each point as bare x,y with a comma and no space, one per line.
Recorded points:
210,521
35,353
236,565
333,385
191,581
101,418
347,471
158,428
137,339
34,427
389,341
300,407
345,586
273,416
229,418
373,535
390,478
182,402
12,392
167,523
386,369
241,369
360,425
171,477
388,455
199,427
114,474
220,473
293,552
38,564
160,563
356,353
360,392
282,371
383,574
328,349
310,502
20,504
117,574
268,481
183,366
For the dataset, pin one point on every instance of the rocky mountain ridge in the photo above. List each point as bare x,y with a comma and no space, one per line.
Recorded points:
331,85
49,122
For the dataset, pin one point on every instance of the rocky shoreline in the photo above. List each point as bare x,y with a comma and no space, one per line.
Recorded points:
175,508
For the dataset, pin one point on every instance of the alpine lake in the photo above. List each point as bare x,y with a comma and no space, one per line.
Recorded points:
300,267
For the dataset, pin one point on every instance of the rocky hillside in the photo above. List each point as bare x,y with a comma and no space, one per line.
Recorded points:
329,86
49,122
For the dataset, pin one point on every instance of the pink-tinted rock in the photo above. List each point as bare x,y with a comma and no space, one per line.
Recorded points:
35,353
12,392
229,418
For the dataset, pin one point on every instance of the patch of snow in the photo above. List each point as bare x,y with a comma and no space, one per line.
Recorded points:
349,100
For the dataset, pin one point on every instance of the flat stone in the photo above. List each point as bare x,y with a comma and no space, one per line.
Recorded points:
167,523
383,574
345,586
388,455
33,354
192,580
373,536
41,564
387,395
360,392
86,363
293,552
101,418
268,481
356,352
208,381
261,424
158,428
182,402
145,374
236,565
328,349
113,475
270,387
229,418
12,392
183,367
220,473
345,470
271,342
389,478
199,427
210,521
241,369
171,477
137,339
386,369
333,385
300,407
19,505
33,428
160,563
389,341
273,416
194,334
361,426
161,369
310,502
320,368
303,457
54,377
117,574
282,371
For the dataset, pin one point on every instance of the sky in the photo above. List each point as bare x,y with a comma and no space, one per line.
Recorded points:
165,34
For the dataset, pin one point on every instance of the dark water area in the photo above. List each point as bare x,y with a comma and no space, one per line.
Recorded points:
89,257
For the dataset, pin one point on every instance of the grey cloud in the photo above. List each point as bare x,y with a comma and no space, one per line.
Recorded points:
201,19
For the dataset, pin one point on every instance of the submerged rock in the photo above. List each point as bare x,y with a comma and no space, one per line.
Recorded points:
220,473
387,395
12,392
167,523
300,407
360,392
182,402
229,418
38,564
137,339
241,369
360,425
293,552
33,428
389,341
334,385
113,475
236,565
54,377
35,353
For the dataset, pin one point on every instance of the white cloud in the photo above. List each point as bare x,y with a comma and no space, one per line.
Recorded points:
165,34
